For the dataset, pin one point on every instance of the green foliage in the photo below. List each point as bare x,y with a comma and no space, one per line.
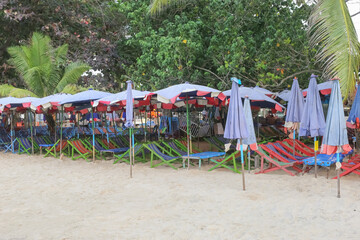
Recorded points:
209,41
8,90
332,28
44,69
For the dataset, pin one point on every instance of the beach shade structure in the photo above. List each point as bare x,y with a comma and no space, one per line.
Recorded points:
17,104
85,99
251,139
120,98
335,139
236,127
186,91
284,95
48,102
257,99
324,88
354,116
129,122
263,91
294,109
313,120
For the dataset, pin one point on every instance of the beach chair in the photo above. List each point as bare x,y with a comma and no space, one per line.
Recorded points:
223,162
273,163
300,146
273,153
101,149
78,147
352,166
165,157
182,143
214,143
52,150
119,142
290,149
138,150
24,146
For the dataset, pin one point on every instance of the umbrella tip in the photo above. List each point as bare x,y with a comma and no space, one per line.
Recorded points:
313,76
246,96
234,79
295,78
186,82
335,78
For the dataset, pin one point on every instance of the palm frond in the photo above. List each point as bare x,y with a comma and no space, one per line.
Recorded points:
332,29
157,6
71,75
7,90
73,89
19,59
60,54
34,81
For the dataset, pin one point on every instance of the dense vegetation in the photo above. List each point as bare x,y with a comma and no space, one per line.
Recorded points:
204,41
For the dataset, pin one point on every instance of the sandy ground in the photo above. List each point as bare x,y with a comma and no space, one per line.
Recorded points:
48,198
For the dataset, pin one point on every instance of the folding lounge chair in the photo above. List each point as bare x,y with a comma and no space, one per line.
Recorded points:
325,160
78,146
56,148
273,153
273,163
198,156
183,145
101,149
290,149
165,158
285,152
119,142
214,143
223,162
24,145
138,150
352,166
299,146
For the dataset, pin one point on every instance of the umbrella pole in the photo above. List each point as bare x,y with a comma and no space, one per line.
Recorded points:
130,153
249,159
12,131
145,124
315,152
187,131
55,134
114,123
61,127
338,173
294,142
93,133
158,119
242,164
32,135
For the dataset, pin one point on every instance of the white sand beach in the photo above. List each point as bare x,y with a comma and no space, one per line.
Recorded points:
48,198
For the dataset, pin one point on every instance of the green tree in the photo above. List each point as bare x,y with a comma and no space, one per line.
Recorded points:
43,69
209,41
333,30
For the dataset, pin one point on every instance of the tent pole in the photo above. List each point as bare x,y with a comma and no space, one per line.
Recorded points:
61,127
242,164
187,131
315,152
93,132
158,119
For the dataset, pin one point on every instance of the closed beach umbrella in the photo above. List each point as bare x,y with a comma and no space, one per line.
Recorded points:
251,139
354,115
294,108
236,127
335,138
129,120
313,121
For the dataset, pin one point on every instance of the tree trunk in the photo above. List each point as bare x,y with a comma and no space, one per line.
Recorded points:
50,122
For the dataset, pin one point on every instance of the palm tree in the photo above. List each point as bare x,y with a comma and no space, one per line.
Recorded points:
332,29
157,6
43,69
